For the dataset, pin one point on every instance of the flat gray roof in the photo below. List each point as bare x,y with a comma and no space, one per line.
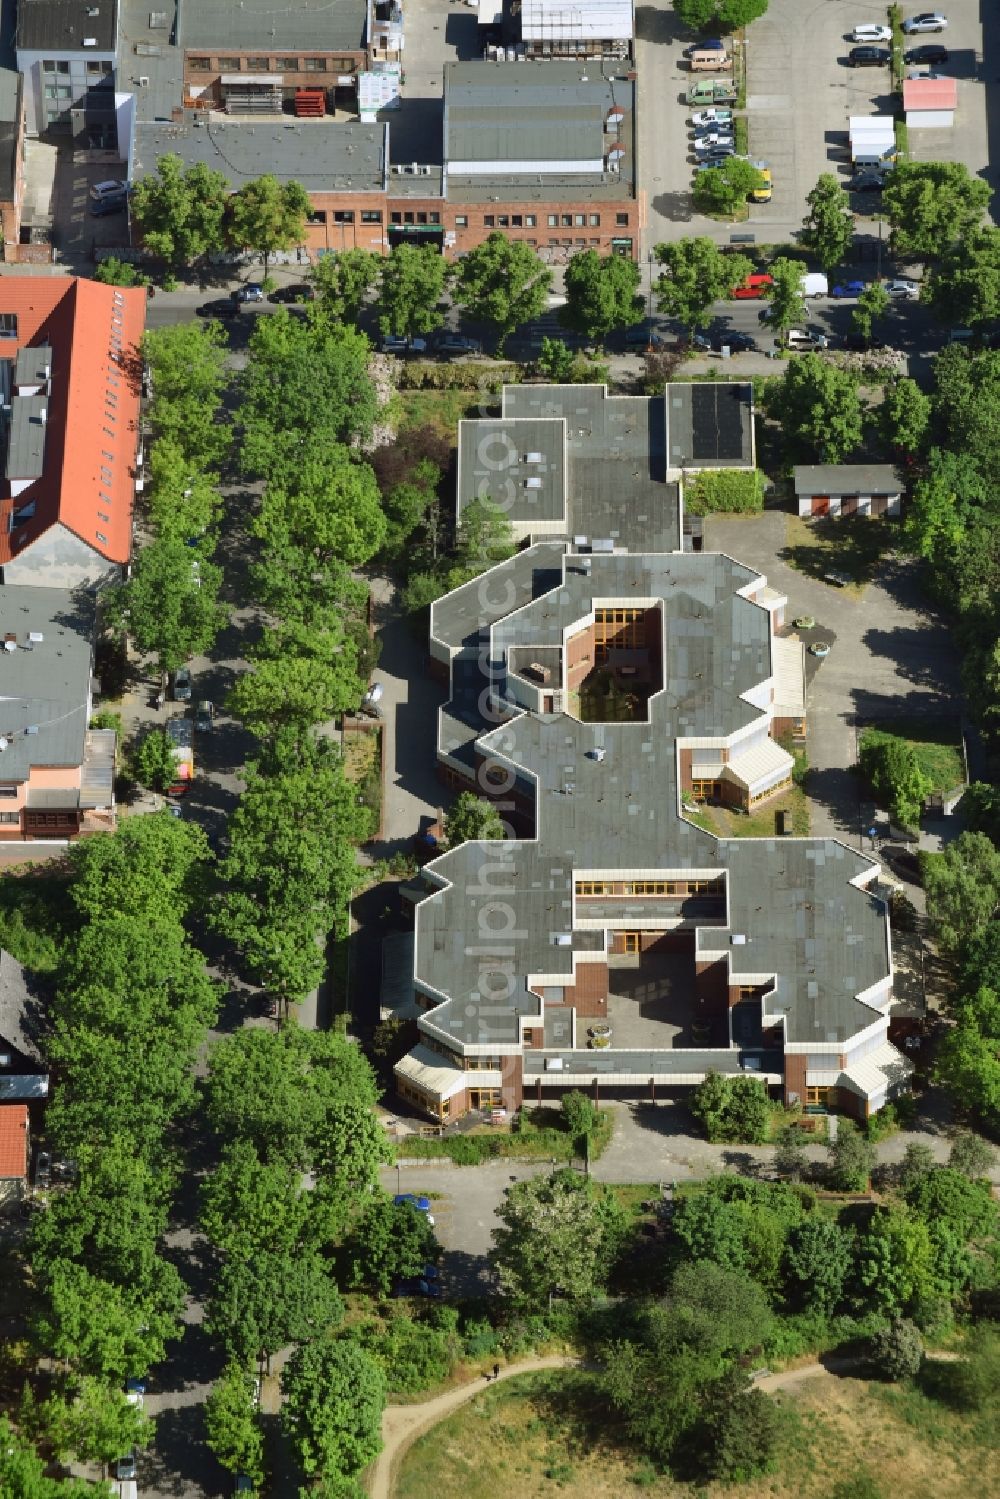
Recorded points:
606,798
26,437
846,478
44,684
616,465
151,52
273,25
517,466
325,156
709,424
64,25
33,364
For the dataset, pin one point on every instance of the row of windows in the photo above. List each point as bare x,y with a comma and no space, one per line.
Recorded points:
415,218
95,69
346,216
422,1100
771,791
649,887
272,64
9,817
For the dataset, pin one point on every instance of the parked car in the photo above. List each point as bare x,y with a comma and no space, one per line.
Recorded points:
848,288
418,1203
712,135
135,1392
875,31
806,338
251,292
111,189
716,157
868,57
714,116
204,717
125,1466
904,288
114,203
913,74
738,343
218,309
645,336
764,190
866,182
298,291
243,1484
857,343
43,1169
715,44
931,52
927,20
182,685
456,344
753,287
392,344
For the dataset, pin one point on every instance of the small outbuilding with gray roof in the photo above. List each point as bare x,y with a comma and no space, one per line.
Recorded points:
833,489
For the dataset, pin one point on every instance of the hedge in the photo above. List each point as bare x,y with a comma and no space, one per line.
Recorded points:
736,491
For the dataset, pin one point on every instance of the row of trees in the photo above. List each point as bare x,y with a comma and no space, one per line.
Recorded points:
128,1019
281,1105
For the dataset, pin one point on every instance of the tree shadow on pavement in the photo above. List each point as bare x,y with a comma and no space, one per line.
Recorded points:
467,1275
180,1463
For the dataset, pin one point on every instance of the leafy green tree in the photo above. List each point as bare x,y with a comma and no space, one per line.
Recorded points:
716,1310
818,409
740,1429
601,294
965,286
897,1350
388,1243
472,818
154,761
291,693
710,1102
971,1155
407,506
709,1229
232,1424
556,361
504,283
945,1195
963,888
484,535
785,294
187,365
852,1159
557,1235
697,14
975,1380
266,215
790,1154
696,274
579,1114
102,1329
895,1260
152,866
721,190
934,521
94,1422
932,205
412,284
968,1062
873,303
331,514
344,281
332,1413
828,229
895,775
305,387
22,1472
904,415
249,1206
917,1162
415,1354
748,1114
113,272
183,504
169,606
817,1263
264,1301
179,212
967,405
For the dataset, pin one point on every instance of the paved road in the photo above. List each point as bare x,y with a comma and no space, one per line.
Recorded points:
891,656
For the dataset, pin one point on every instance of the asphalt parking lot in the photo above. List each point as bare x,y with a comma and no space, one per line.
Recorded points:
800,96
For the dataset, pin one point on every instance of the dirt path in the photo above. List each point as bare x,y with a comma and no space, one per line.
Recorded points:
402,1424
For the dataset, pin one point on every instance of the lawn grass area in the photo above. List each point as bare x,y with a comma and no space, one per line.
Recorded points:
363,766
35,914
541,1137
553,1432
853,546
934,741
441,408
729,822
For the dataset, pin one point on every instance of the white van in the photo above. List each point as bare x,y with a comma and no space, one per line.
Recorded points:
815,284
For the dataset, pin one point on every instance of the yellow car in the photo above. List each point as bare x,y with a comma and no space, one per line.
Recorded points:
762,193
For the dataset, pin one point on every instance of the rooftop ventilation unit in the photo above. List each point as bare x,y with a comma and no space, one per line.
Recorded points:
563,939
534,458
36,637
31,729
738,939
599,753
532,483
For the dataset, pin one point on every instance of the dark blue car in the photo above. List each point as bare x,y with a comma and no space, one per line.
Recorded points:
849,289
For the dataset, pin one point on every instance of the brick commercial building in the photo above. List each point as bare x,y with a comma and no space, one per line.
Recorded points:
602,682
535,151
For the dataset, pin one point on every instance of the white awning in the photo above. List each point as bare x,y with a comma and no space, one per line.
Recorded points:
706,770
431,1073
883,1072
788,662
760,767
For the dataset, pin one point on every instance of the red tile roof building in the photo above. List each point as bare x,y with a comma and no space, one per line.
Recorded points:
69,385
13,1142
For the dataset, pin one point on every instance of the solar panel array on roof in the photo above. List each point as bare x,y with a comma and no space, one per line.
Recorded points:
716,422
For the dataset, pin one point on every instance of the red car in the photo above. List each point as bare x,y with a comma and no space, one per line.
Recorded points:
754,286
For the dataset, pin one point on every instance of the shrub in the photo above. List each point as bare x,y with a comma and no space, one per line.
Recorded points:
734,491
852,1158
897,1350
